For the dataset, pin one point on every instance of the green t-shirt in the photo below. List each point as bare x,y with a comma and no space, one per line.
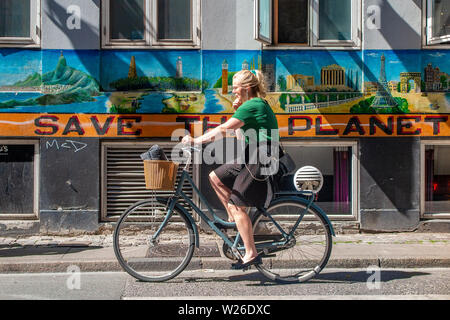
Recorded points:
258,115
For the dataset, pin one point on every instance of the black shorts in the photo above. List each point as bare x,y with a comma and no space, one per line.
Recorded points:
227,173
245,190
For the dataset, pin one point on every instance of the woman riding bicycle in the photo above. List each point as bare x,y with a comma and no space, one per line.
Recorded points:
247,183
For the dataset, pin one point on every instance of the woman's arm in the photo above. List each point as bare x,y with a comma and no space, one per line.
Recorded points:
231,124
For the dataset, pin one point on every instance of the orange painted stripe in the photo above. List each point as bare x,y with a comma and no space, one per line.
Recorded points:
163,125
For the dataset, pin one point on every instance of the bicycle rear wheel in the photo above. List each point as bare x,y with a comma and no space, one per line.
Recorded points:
146,256
305,255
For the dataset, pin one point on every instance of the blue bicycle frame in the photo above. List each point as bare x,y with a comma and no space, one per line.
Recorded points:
279,197
211,223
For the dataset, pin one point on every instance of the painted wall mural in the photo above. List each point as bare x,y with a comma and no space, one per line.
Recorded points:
59,82
194,81
407,81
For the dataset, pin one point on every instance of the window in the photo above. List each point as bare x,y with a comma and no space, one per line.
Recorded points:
19,23
338,165
174,20
435,179
291,22
123,180
263,21
156,23
308,23
19,186
127,20
437,22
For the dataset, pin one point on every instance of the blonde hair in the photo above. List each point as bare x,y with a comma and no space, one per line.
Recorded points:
253,81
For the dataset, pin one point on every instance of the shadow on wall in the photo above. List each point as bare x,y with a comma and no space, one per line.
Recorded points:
58,15
403,35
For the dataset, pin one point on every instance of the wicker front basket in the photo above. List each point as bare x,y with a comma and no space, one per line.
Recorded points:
160,174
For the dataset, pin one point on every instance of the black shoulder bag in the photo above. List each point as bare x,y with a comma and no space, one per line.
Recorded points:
286,164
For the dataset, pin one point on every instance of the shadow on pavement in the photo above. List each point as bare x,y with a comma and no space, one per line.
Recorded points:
333,277
256,279
363,276
253,276
20,251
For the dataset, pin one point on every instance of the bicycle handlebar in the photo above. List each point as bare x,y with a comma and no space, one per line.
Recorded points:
188,150
191,148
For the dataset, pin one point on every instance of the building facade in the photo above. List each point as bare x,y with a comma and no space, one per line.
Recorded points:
360,90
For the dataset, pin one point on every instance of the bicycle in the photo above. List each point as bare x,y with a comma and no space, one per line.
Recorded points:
155,239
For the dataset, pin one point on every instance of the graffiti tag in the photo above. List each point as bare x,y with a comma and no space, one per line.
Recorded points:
67,144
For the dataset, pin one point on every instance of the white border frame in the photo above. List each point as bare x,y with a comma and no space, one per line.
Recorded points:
256,35
429,27
36,161
354,216
103,165
34,41
423,214
150,35
427,31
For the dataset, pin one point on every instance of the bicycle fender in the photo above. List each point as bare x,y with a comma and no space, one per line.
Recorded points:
305,202
188,216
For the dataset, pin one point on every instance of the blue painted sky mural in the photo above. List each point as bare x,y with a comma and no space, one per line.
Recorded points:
189,81
311,63
212,62
16,65
396,62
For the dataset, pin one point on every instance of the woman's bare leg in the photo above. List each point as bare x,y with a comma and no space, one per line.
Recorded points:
237,214
244,226
222,191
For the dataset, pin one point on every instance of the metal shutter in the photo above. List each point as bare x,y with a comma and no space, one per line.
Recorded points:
123,176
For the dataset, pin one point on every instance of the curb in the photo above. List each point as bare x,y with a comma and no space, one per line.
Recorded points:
217,264
59,267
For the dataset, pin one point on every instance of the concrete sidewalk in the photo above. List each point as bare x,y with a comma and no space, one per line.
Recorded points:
96,253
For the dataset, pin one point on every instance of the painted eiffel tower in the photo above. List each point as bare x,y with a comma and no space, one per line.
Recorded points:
383,97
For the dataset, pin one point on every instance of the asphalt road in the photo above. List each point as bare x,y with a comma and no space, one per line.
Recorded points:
352,284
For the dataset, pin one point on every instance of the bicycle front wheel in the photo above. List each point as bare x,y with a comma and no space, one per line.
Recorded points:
305,254
148,251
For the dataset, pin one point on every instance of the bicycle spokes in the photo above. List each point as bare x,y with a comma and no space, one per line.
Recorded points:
297,241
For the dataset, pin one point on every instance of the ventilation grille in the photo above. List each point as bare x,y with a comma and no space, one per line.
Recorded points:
124,181
308,178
